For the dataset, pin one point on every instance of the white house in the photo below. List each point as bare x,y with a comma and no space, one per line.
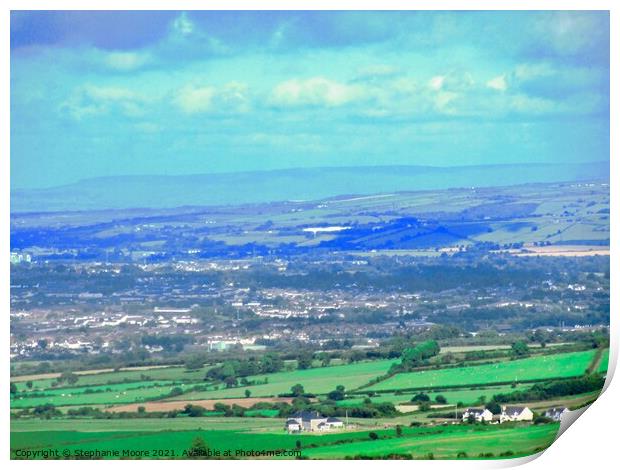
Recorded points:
556,413
292,426
479,414
515,413
311,421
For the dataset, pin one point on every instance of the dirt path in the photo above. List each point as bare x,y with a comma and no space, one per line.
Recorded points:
208,404
54,375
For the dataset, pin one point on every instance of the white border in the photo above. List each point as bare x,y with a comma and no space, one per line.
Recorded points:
590,444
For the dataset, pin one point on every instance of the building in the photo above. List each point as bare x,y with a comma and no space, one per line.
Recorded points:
556,413
515,413
292,426
478,414
334,423
311,421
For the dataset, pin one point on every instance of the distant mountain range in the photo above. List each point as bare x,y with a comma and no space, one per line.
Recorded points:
124,192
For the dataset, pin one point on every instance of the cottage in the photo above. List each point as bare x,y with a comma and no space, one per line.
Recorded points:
478,414
311,421
515,413
334,423
292,426
556,413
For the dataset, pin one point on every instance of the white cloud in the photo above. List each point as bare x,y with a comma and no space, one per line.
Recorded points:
316,91
193,100
109,93
126,61
92,100
183,25
230,98
498,83
436,82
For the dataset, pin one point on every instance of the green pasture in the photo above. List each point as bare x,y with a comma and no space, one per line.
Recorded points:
316,380
443,442
447,444
467,396
604,363
533,368
174,373
130,395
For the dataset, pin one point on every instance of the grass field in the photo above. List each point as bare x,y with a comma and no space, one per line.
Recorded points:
443,442
317,380
533,368
467,396
604,362
175,373
62,397
447,444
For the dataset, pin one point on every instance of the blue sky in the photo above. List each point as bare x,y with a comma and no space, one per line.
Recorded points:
118,93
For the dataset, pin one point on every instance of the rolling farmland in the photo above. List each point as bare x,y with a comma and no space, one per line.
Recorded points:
533,368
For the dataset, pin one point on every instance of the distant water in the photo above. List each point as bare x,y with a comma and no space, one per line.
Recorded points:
295,184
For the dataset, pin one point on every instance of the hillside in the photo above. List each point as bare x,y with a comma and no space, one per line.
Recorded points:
281,185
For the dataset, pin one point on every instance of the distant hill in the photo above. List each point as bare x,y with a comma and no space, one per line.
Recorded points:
293,184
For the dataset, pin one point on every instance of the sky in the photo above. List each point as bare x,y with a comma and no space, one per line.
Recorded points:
132,93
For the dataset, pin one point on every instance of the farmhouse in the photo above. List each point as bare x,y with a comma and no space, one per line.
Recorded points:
292,425
311,421
478,414
556,413
515,413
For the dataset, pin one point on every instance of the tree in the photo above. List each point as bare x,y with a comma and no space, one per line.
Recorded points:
399,430
441,399
424,406
68,377
141,409
223,408
337,394
29,384
198,449
194,363
373,435
324,358
520,349
13,388
304,361
248,392
416,356
194,411
297,390
494,407
420,397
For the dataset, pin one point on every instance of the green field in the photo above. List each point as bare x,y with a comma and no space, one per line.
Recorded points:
444,441
604,363
447,444
533,368
262,430
65,397
466,396
175,373
317,380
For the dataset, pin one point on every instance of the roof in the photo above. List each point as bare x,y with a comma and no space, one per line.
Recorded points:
474,410
291,421
559,409
306,415
514,409
334,420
